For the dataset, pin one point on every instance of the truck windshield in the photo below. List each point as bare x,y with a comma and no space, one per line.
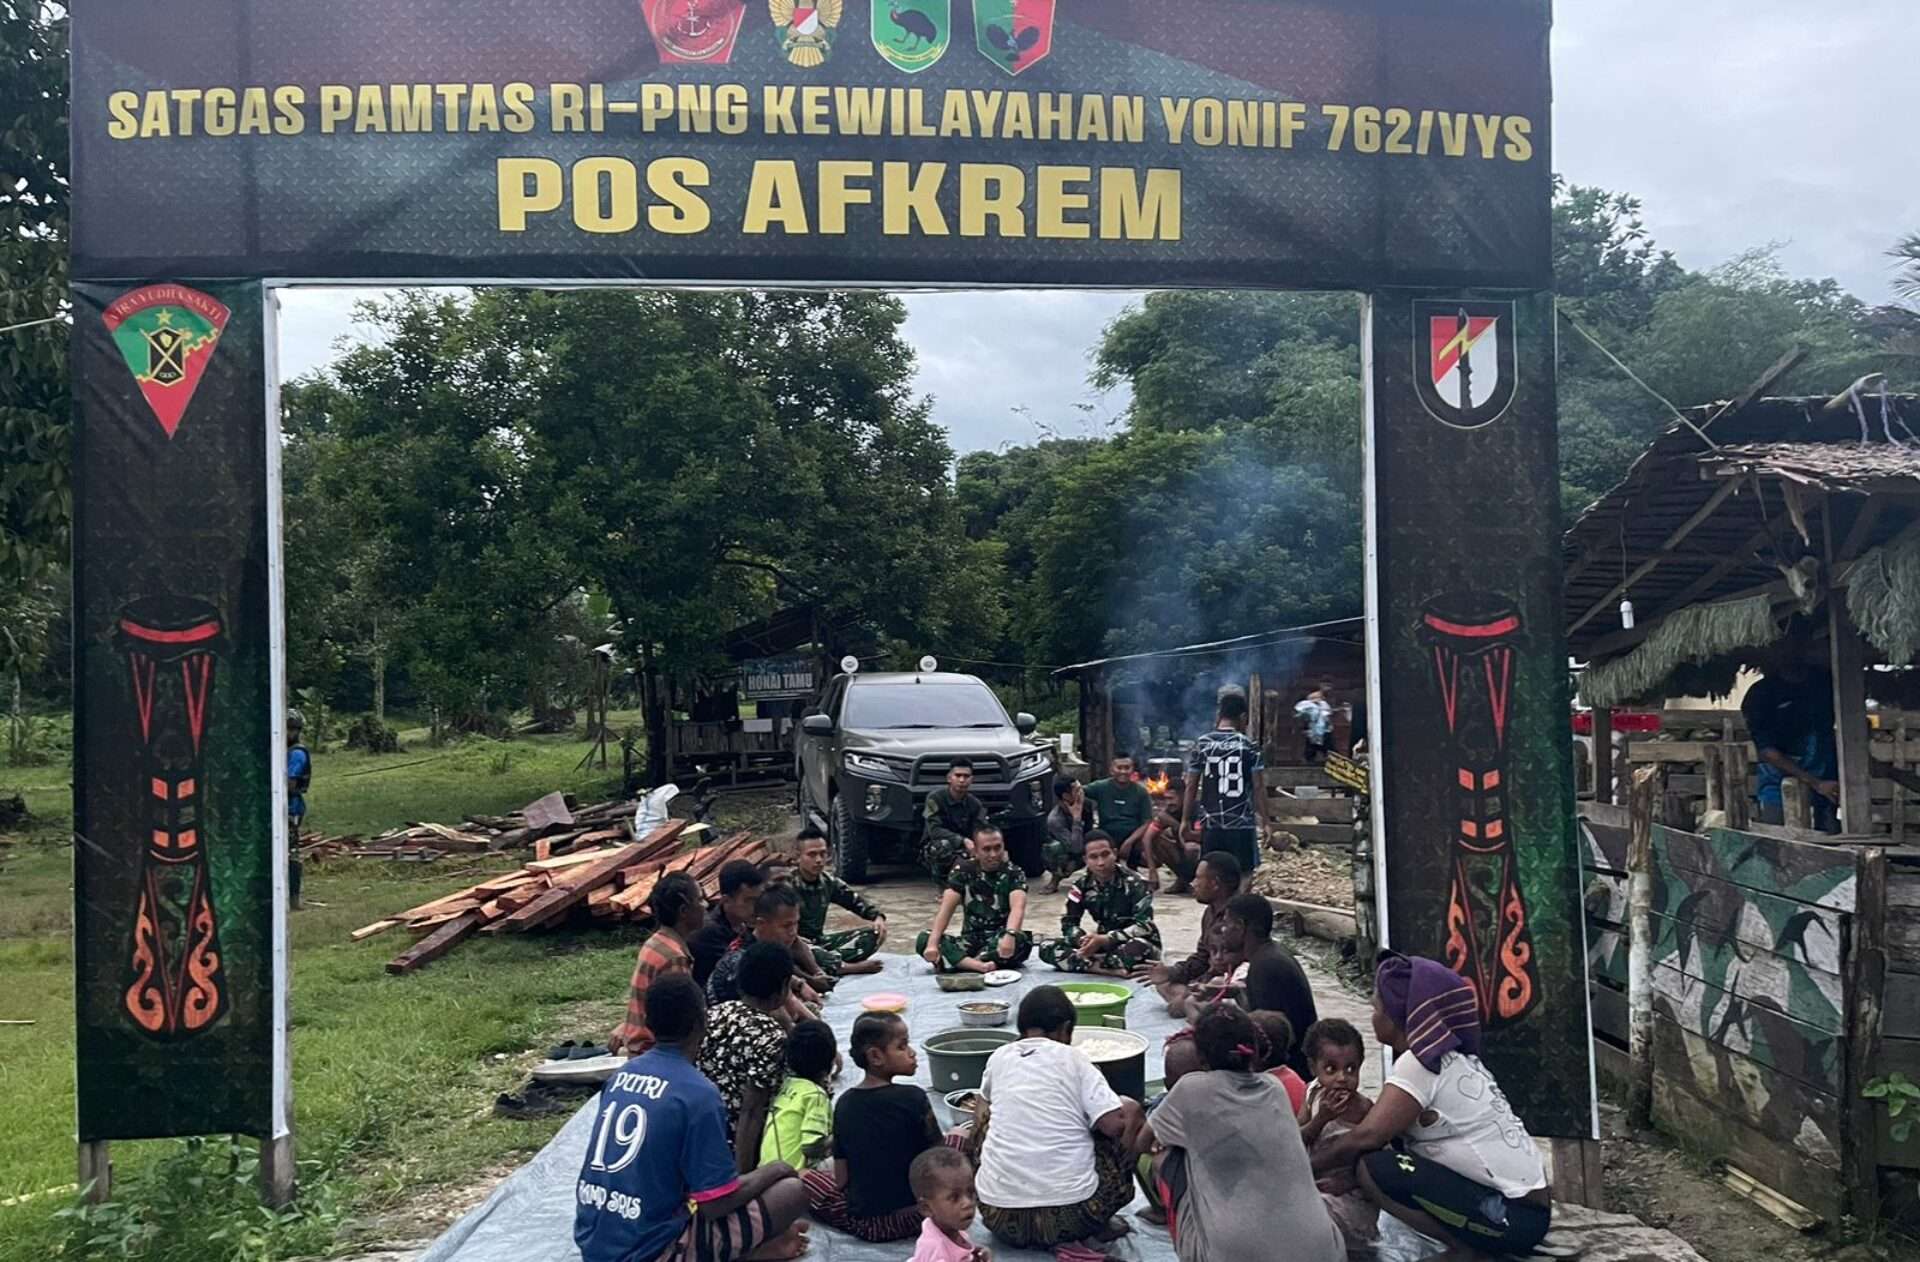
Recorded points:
872,706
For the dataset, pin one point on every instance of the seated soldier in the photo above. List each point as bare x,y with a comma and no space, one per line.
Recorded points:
846,950
1124,934
1067,827
953,816
994,892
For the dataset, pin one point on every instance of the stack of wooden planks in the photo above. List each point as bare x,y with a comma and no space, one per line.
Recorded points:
548,825
611,882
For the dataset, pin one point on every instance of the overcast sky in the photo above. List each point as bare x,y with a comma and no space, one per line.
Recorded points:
1738,122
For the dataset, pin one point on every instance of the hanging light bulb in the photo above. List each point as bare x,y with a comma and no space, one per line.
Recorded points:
1626,614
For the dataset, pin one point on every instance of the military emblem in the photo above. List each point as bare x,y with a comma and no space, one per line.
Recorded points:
806,30
1014,34
1463,360
912,34
167,334
694,30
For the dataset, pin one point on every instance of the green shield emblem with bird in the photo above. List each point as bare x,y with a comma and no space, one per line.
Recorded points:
912,34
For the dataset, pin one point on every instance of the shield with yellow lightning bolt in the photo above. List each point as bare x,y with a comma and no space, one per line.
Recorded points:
1463,363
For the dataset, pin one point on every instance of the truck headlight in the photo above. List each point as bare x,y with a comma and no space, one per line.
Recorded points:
1031,764
869,765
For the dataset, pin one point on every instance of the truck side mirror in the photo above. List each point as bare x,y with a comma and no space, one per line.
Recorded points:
1025,723
817,725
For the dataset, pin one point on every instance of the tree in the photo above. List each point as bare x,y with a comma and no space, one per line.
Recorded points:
36,501
1906,253
698,458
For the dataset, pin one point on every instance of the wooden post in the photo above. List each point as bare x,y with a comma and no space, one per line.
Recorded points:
1739,786
1796,811
1256,710
1850,718
1577,1175
1849,663
1640,945
1899,789
1865,967
277,1172
96,1171
1603,755
1715,759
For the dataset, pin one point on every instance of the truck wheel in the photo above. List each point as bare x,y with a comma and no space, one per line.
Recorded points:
848,843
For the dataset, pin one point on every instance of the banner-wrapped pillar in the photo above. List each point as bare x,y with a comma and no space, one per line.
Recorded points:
179,789
1474,832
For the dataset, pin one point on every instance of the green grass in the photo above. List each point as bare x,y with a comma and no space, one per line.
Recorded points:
393,1077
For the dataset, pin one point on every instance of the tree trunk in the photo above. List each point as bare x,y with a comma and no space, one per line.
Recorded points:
656,715
379,676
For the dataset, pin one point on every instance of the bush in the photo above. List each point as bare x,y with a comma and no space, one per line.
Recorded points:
375,737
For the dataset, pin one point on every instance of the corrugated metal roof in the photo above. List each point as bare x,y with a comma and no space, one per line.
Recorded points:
1349,630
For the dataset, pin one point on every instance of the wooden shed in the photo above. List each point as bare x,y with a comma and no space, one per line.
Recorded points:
1148,703
1752,982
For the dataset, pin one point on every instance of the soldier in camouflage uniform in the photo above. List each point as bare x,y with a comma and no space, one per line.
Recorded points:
846,950
1124,934
953,815
993,890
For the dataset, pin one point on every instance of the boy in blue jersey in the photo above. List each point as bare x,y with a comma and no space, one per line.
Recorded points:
659,1183
299,777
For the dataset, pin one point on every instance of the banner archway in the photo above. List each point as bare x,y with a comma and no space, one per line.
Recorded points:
1393,147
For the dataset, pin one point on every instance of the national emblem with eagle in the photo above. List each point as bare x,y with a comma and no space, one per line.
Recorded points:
806,30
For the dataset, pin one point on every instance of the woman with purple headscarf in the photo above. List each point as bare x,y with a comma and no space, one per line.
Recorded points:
1466,1173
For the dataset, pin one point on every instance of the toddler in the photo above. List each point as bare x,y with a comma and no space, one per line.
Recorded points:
942,1180
1335,1106
800,1119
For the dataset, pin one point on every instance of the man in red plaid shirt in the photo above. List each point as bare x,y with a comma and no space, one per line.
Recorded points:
678,912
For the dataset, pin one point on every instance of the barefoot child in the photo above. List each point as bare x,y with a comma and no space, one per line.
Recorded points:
942,1182
1335,1106
801,1118
879,1127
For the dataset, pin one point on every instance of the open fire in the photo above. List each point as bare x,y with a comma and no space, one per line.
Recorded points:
1163,777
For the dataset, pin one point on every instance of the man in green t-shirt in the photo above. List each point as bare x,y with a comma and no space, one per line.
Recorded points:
1123,807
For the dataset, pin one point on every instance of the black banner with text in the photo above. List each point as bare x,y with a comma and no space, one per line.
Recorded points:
1307,143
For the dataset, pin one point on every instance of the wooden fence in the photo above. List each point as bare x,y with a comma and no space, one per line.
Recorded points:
1785,978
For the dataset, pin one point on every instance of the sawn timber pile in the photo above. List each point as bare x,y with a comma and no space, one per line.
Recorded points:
611,882
547,825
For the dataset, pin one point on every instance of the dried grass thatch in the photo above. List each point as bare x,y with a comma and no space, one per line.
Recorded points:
1883,598
1691,637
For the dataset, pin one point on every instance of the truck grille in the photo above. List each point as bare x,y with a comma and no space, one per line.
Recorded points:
987,771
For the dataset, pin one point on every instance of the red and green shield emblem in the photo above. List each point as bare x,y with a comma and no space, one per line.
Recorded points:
912,34
1014,34
699,31
167,335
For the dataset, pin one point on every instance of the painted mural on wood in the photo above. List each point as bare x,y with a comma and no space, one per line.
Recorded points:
1749,936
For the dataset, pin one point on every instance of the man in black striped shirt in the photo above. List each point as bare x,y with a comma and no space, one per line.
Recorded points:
1223,782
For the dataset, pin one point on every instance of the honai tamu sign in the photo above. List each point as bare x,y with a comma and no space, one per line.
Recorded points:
1097,142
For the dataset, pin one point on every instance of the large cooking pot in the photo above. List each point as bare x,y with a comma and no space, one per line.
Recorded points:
1125,1071
958,1058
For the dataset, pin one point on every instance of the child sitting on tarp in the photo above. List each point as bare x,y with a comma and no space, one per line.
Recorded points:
1334,1106
879,1127
800,1122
